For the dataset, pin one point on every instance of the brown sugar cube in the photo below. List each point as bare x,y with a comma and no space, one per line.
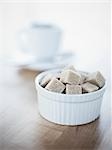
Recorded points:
71,77
84,76
57,75
55,86
70,67
46,79
88,87
96,78
73,89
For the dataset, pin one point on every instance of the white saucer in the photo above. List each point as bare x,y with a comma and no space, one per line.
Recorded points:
31,63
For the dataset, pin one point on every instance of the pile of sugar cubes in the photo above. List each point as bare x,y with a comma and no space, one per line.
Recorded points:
72,81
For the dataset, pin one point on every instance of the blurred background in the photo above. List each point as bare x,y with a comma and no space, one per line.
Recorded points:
85,26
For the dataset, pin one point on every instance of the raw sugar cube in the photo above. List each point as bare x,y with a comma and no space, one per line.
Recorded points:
71,77
73,89
88,87
55,86
96,78
84,76
70,67
72,81
46,79
57,75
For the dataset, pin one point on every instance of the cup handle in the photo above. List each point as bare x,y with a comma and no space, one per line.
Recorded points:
22,40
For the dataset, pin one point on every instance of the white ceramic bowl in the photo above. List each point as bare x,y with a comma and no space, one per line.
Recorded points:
68,109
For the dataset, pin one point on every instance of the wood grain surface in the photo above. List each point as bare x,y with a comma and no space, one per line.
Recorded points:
22,128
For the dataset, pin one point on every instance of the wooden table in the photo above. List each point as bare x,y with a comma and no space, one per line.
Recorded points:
22,128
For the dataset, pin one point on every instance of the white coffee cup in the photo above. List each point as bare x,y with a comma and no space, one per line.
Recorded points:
40,40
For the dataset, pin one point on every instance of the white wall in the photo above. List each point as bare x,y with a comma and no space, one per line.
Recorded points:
86,28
